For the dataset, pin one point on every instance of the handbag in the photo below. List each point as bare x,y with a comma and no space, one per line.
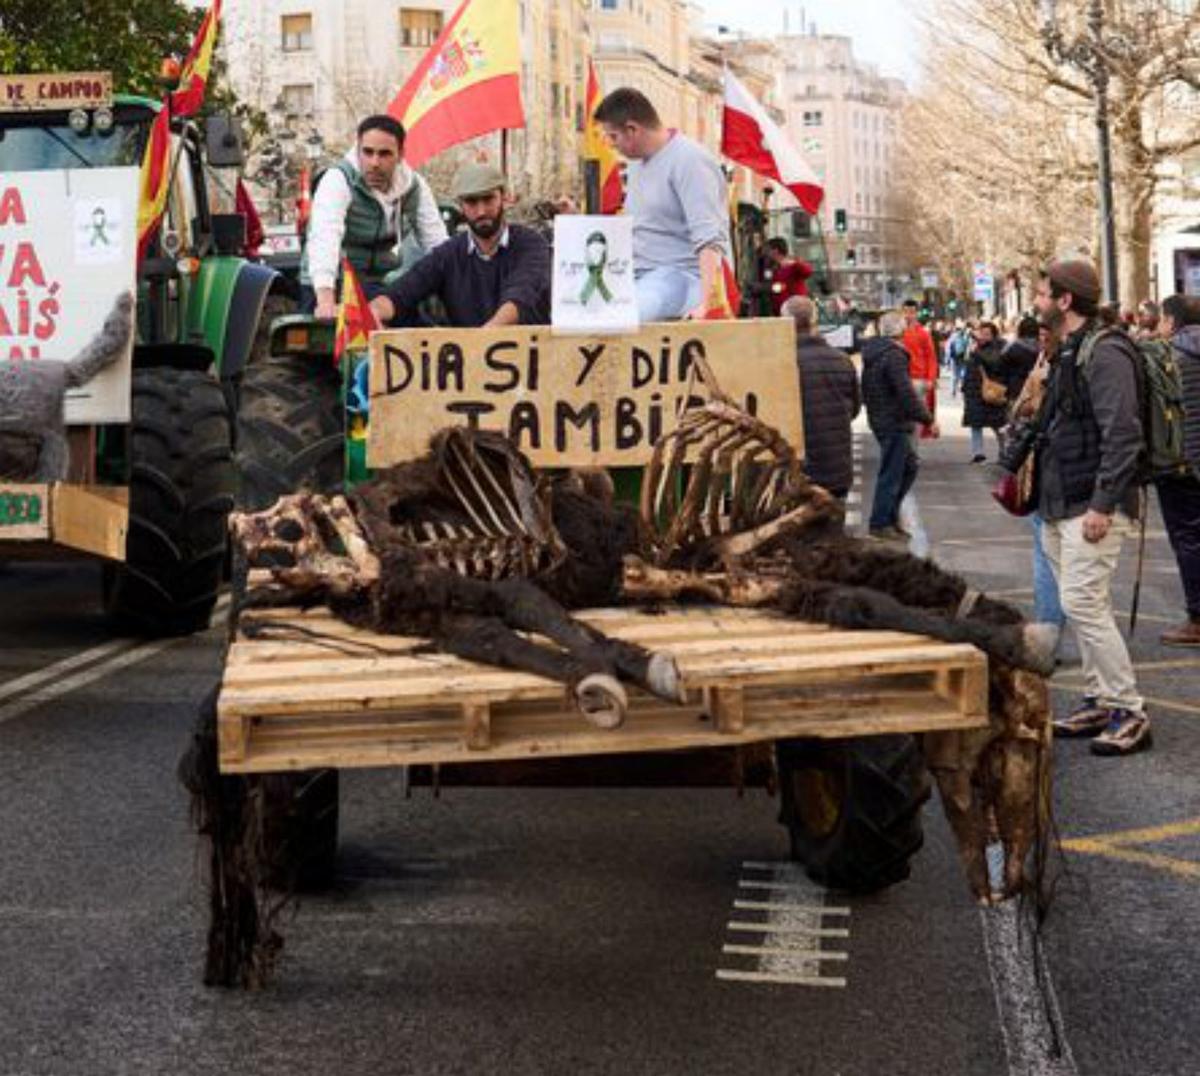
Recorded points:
992,391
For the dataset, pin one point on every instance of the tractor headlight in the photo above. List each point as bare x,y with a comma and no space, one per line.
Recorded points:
78,120
103,120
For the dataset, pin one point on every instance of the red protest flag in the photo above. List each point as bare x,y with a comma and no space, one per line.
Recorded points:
189,96
154,181
355,319
750,137
596,148
467,84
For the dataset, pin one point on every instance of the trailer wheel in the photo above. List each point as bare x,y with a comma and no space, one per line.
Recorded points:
290,429
300,829
853,808
181,486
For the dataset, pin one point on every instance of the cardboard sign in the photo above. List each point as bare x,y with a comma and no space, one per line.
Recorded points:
61,90
67,249
572,401
593,290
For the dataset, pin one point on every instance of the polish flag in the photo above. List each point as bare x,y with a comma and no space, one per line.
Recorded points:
750,137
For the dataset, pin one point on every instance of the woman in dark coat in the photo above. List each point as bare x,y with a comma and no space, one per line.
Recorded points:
977,415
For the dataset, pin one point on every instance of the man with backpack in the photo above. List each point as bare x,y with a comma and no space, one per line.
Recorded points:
1089,496
366,206
1178,483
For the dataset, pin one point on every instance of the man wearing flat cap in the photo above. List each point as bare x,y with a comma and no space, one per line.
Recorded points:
493,274
1089,495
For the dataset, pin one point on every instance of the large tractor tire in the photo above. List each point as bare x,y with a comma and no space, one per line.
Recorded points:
181,490
300,829
290,429
853,808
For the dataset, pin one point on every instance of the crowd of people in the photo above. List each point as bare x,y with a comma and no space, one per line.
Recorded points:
1094,408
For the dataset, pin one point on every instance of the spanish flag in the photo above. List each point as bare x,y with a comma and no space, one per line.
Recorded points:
155,182
355,319
596,148
187,99
467,84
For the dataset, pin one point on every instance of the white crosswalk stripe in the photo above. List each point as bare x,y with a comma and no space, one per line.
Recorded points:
783,933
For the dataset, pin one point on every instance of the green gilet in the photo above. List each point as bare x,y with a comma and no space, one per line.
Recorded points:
368,246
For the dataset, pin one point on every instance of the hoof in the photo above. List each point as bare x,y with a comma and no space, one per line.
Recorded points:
602,700
664,679
1040,643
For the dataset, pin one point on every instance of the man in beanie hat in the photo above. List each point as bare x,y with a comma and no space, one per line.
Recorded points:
493,274
1089,495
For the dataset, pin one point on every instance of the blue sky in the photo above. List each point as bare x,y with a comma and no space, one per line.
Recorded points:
884,31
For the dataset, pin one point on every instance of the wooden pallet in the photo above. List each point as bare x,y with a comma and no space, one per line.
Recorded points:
302,690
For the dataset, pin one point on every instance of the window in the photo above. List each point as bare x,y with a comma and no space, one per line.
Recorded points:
609,5
813,119
299,100
297,32
419,28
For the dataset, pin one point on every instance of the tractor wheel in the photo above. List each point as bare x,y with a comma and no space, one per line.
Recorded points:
300,829
853,808
290,430
181,488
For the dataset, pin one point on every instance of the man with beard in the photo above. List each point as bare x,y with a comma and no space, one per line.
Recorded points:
1089,497
493,274
366,207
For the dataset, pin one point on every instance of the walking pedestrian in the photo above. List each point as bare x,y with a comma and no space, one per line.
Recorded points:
1089,497
984,364
830,398
893,409
1179,495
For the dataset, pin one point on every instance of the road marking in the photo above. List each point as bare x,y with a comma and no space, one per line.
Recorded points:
129,652
1031,1023
50,672
791,947
1120,846
1072,687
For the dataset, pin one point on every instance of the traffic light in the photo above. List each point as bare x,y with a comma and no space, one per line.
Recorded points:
839,221
851,256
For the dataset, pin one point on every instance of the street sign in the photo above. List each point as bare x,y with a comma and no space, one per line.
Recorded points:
929,278
985,285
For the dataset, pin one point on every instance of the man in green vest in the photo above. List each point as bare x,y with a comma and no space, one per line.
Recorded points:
366,206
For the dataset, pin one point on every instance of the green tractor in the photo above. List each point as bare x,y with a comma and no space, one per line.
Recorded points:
148,485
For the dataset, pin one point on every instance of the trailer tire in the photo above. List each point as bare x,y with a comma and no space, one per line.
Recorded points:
853,808
290,429
181,487
300,829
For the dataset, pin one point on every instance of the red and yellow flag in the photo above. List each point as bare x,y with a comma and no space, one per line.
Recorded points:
596,148
355,319
724,297
155,181
467,84
189,96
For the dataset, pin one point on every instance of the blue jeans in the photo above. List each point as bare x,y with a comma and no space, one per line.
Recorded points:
897,472
1179,499
1047,606
666,294
977,440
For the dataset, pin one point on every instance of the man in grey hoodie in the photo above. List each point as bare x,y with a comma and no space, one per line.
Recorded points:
1179,494
366,205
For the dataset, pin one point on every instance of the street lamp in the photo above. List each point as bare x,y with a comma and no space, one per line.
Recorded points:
1090,54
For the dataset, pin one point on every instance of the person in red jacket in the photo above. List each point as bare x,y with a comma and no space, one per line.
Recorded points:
922,359
787,276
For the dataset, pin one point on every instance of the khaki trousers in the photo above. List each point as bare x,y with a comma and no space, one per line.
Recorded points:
1084,571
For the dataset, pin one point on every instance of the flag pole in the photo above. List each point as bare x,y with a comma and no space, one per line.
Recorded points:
504,151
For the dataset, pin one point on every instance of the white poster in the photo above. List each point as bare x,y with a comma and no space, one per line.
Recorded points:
68,247
593,288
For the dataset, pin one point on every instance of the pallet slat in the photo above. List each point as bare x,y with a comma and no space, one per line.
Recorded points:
751,676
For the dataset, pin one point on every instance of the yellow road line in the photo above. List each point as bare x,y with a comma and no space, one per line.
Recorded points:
1161,704
1149,835
1181,868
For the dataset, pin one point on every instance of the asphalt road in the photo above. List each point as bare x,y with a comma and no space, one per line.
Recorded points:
582,930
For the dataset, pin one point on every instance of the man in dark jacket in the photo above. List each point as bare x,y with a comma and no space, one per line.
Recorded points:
492,274
1020,356
893,409
830,399
1179,495
1089,496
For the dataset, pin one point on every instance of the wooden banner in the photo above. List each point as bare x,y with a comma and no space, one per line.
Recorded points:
572,401
78,89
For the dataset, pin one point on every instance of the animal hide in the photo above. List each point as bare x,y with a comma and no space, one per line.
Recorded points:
33,442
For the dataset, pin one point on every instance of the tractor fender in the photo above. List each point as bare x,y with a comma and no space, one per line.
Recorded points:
250,291
224,304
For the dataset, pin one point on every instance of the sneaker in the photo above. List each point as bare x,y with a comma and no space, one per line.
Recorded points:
979,459
1128,731
1186,634
1089,718
888,534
